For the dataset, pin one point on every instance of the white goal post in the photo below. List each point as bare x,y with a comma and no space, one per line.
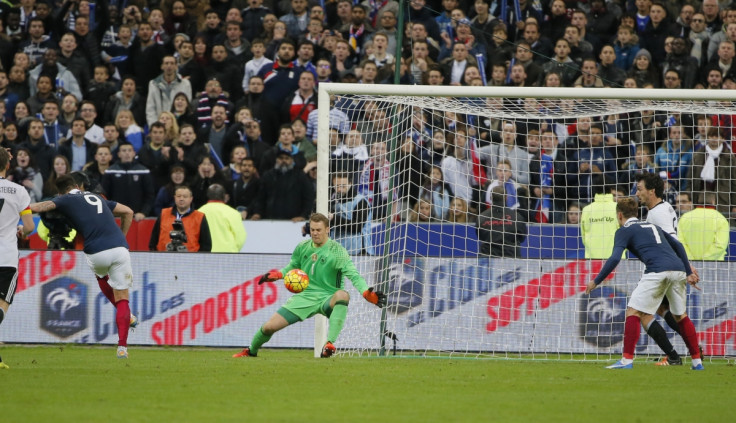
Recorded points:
455,287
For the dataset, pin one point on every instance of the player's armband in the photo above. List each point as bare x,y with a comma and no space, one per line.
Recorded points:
26,211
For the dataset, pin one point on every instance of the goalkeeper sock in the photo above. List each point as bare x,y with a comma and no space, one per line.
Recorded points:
122,318
690,336
656,331
671,322
632,329
106,288
259,339
337,320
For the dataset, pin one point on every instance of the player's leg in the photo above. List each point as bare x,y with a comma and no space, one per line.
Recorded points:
658,334
99,266
664,311
8,281
336,310
120,274
677,293
281,319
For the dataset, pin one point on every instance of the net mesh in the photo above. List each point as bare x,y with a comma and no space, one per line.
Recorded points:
411,189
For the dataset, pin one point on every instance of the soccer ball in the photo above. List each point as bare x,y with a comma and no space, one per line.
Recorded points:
296,281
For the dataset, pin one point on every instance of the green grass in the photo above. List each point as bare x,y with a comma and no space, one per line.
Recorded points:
88,384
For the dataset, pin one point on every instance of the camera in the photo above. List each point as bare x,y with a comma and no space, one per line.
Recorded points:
58,231
178,238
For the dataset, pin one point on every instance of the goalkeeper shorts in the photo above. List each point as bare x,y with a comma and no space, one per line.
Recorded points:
304,306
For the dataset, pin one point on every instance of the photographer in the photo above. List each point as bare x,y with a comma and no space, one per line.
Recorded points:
181,228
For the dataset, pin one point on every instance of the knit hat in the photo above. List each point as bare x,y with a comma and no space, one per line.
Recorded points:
644,52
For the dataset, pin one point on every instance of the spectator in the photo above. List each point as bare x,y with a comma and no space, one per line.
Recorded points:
238,48
126,99
88,113
145,50
27,174
226,227
500,231
126,124
7,96
253,17
598,224
683,203
42,153
626,47
285,192
458,168
78,149
436,192
723,59
593,159
554,25
214,133
189,67
699,38
713,170
53,131
675,157
280,80
196,228
231,172
458,211
300,103
422,212
589,77
60,167
718,34
254,65
34,103
373,179
226,72
525,57
681,61
641,163
562,63
37,43
165,194
541,46
514,193
245,188
350,217
657,29
572,215
75,62
181,109
95,170
206,176
163,89
509,150
704,231
179,21
297,19
305,145
644,70
611,75
156,155
130,183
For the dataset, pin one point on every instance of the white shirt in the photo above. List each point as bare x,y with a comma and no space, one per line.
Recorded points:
14,199
664,216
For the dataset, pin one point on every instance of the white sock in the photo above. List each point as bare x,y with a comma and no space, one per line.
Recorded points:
697,361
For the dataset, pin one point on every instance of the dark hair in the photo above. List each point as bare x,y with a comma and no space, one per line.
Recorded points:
4,158
216,192
157,124
628,206
652,181
64,183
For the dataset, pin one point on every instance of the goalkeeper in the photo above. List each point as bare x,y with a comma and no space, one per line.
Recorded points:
326,262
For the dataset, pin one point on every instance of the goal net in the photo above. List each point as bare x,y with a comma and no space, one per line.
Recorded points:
468,207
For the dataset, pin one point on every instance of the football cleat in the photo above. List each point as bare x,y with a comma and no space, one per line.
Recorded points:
122,352
621,365
133,321
245,353
666,361
698,366
328,350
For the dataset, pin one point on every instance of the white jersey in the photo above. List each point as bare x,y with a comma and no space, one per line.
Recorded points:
14,199
664,216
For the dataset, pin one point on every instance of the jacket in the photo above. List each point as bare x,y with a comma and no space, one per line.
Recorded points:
161,95
598,224
130,184
195,227
226,227
501,232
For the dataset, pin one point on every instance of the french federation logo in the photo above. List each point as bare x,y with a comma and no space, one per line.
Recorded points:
64,307
603,316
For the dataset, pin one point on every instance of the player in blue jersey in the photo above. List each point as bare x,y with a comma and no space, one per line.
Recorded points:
104,244
14,202
667,270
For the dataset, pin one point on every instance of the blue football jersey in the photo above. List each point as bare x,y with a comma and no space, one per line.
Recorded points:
91,215
657,249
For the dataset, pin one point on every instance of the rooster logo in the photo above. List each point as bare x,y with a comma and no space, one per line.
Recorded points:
62,300
602,317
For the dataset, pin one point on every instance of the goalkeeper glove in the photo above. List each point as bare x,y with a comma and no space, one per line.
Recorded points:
375,297
270,276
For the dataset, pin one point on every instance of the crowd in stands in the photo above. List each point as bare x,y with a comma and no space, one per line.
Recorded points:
146,96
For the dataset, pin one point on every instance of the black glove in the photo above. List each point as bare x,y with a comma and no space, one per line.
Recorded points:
375,297
270,276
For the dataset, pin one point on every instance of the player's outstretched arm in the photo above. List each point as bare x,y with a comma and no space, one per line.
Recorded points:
375,297
125,214
591,286
43,206
28,226
270,276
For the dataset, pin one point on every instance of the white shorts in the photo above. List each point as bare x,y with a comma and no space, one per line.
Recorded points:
652,288
115,263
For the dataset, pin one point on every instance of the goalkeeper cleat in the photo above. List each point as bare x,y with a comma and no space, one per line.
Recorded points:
133,321
698,366
122,352
666,361
245,353
621,365
328,350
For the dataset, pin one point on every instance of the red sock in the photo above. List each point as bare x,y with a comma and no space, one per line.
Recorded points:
106,288
122,317
687,329
631,335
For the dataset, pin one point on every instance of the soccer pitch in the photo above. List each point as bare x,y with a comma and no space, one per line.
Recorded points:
67,383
